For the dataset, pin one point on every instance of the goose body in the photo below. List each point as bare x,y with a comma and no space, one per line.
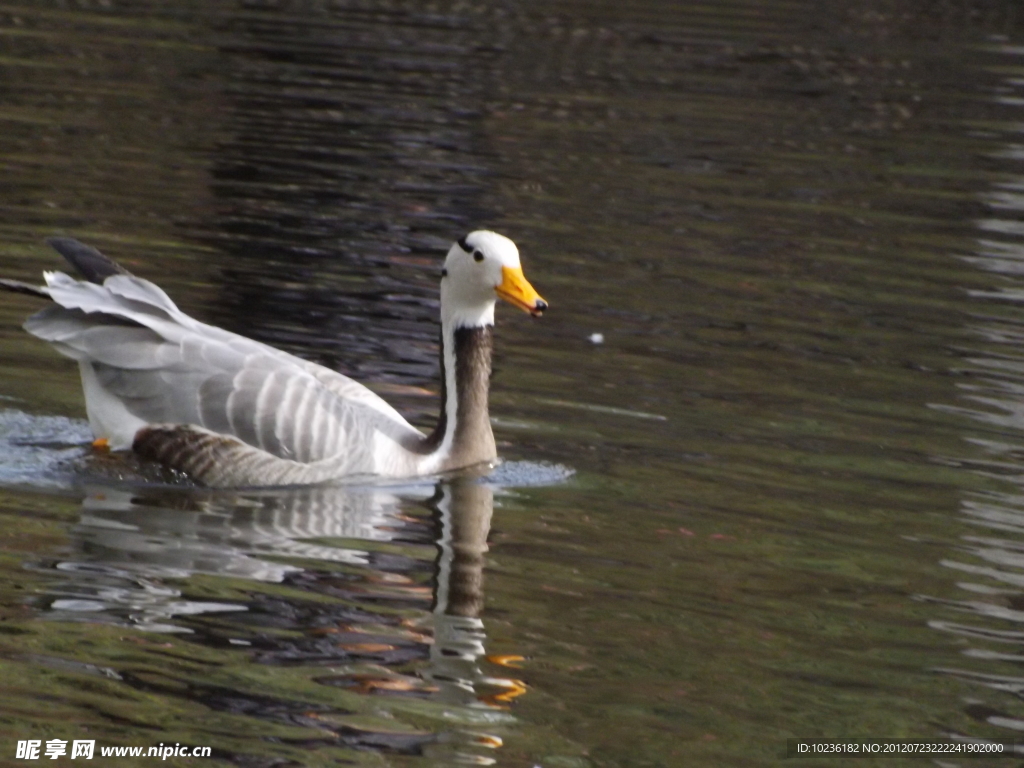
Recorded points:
230,411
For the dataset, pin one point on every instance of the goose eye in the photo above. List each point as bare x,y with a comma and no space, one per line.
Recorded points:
478,256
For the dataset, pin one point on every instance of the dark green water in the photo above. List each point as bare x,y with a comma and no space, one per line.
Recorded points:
796,500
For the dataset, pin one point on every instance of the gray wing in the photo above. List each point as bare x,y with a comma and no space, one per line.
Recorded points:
163,367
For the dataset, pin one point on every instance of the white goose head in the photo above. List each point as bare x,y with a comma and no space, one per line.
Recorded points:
480,268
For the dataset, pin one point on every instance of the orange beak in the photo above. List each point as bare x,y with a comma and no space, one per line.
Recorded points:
516,290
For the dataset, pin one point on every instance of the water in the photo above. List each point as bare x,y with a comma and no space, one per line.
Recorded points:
781,498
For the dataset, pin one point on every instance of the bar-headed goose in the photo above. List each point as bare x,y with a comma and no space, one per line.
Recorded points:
230,411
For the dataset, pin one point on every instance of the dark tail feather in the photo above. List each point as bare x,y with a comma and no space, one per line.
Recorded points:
90,263
19,287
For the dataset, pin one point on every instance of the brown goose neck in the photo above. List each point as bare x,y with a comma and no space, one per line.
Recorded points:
463,428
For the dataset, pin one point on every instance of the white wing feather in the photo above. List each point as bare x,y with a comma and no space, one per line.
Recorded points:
144,361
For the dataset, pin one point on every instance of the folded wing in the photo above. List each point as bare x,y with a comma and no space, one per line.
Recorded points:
145,362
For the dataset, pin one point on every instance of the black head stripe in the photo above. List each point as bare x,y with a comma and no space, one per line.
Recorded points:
464,245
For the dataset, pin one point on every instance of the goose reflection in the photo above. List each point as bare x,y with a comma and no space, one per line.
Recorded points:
377,550
164,533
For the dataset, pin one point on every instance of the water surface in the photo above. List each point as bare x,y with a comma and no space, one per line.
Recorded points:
781,498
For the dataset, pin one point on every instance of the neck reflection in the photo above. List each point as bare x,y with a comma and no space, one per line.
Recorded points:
464,509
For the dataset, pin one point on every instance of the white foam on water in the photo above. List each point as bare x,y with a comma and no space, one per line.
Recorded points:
528,474
41,450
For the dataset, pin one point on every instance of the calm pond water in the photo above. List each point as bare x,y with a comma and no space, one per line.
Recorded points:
783,498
